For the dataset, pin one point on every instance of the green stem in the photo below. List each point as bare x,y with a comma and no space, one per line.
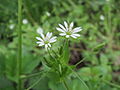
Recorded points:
80,62
110,32
112,84
31,75
87,88
19,60
35,83
65,84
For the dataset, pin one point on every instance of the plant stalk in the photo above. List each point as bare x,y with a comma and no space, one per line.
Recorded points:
65,84
110,32
19,59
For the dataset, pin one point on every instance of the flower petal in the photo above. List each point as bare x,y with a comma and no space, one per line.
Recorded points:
62,34
42,35
77,29
76,35
62,27
73,36
41,44
59,29
71,25
66,25
38,38
53,39
49,45
48,35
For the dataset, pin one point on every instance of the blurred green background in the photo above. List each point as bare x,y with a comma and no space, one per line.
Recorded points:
100,20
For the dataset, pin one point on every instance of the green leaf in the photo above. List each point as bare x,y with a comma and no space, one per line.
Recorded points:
2,64
30,61
55,86
5,84
11,66
36,82
85,73
103,59
77,85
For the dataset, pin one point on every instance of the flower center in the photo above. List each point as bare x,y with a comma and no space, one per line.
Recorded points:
46,42
69,33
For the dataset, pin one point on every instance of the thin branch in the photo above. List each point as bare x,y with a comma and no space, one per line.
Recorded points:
112,84
31,75
35,83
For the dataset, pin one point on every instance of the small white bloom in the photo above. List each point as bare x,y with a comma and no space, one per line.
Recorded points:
48,14
102,17
46,40
39,30
25,21
69,31
12,26
107,0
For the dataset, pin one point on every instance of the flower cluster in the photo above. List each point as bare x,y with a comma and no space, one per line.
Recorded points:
65,30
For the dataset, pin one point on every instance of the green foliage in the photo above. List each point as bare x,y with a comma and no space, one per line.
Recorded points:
99,44
98,47
2,64
5,84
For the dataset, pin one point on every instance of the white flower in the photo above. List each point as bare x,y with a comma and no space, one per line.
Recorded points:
102,17
12,26
46,40
25,21
48,14
39,30
69,31
107,0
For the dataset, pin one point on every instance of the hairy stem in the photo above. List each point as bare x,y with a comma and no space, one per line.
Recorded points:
19,59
